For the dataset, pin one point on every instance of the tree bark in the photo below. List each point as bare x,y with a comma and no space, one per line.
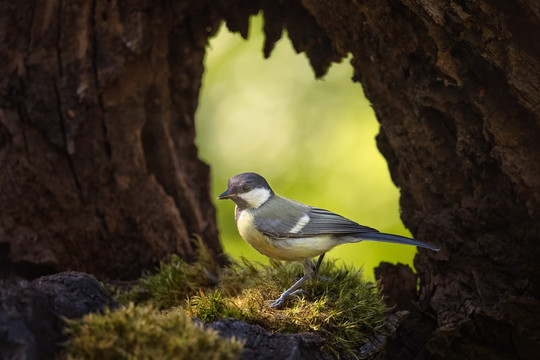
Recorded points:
99,168
100,174
32,313
262,344
456,88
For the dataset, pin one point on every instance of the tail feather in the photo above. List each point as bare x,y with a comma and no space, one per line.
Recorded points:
391,238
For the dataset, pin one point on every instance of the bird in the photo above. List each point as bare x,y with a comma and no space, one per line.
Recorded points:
285,229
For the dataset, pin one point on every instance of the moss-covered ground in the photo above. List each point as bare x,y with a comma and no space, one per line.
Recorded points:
142,332
339,305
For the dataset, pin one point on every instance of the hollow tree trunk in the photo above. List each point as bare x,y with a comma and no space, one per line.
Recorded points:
99,168
456,87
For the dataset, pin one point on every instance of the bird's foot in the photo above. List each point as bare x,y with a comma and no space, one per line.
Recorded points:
299,292
292,289
276,303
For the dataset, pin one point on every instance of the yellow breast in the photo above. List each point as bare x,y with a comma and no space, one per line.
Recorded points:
283,249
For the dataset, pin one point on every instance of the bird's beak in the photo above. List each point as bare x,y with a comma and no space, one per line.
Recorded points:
226,195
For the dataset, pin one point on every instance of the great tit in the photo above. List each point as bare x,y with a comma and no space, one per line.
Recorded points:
285,229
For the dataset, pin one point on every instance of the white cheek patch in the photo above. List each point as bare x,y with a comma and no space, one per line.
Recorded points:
256,197
300,224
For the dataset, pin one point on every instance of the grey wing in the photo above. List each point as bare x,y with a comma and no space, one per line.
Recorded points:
324,222
278,220
299,221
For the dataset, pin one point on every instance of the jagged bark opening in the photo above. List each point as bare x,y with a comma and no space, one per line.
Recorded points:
100,172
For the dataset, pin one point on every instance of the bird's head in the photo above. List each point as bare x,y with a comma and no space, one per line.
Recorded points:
247,190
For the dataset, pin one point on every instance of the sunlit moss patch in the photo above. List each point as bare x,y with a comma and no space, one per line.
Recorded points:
142,332
343,308
339,305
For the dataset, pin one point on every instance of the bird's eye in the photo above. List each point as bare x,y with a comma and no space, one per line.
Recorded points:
245,188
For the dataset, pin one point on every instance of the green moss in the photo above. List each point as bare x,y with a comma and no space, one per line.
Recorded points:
212,307
343,308
173,283
339,305
142,332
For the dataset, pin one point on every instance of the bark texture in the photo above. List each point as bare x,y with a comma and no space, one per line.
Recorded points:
31,313
263,345
99,168
456,88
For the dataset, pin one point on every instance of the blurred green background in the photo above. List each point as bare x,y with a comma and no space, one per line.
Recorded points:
313,140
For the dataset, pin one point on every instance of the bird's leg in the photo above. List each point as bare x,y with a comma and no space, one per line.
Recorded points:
319,261
315,273
309,271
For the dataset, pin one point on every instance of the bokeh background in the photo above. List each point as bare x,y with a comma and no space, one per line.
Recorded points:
313,140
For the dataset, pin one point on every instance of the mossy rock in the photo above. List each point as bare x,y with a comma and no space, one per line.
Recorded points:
339,308
339,305
142,332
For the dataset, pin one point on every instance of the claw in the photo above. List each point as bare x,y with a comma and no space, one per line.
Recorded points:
276,303
309,271
299,291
